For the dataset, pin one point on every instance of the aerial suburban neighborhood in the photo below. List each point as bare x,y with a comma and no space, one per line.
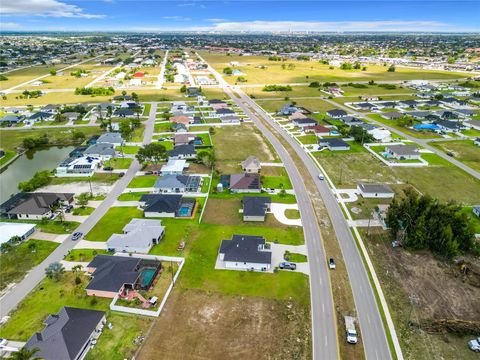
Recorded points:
193,186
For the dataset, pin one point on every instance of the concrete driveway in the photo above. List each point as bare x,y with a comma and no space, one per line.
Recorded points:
347,195
278,250
278,210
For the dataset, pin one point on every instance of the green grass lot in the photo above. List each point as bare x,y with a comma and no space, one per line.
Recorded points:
96,177
296,258
83,211
420,134
205,184
205,139
233,144
143,181
276,182
308,139
373,90
474,219
50,226
67,81
8,155
348,99
471,132
313,104
132,196
113,222
83,255
168,144
20,76
118,163
215,93
307,71
347,169
128,149
163,127
464,150
284,199
292,214
21,259
146,109
10,139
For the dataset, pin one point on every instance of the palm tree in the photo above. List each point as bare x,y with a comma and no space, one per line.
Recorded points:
26,354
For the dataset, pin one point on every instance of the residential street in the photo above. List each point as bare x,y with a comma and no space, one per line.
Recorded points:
10,300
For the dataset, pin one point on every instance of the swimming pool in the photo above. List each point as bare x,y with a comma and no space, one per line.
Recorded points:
146,277
184,211
426,127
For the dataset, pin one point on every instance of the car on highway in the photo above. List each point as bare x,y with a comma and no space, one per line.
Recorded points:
474,344
449,153
331,264
77,236
321,177
287,266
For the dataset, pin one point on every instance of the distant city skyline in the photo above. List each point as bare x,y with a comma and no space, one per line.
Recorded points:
237,16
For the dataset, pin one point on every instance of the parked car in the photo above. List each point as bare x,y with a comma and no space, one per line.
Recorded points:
121,174
474,344
108,168
3,342
287,266
77,236
148,172
331,264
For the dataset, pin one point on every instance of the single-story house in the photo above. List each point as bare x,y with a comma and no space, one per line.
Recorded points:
302,123
450,126
139,235
446,114
71,115
8,230
334,144
256,207
223,112
113,275
50,108
177,184
351,120
244,183
403,152
182,119
12,119
386,104
251,165
476,210
465,112
67,335
288,109
473,124
381,135
34,206
217,104
418,114
183,139
245,252
230,119
124,112
166,205
104,151
408,104
78,166
41,116
179,128
183,152
392,115
336,113
375,191
111,138
318,130
366,106
174,166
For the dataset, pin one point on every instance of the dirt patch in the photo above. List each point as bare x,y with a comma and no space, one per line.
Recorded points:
200,325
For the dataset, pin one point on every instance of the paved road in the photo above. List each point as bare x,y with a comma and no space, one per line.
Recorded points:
371,324
324,330
422,142
10,300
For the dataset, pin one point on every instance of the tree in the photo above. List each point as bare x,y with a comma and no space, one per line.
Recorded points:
32,246
135,122
153,152
41,178
6,247
125,129
228,71
83,198
78,136
54,271
25,354
391,68
360,135
183,89
134,96
53,72
206,157
241,79
15,239
346,66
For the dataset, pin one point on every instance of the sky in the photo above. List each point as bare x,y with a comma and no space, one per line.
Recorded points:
243,15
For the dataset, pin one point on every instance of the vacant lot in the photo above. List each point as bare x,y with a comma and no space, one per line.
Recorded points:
20,76
347,169
463,150
202,325
113,222
307,71
439,294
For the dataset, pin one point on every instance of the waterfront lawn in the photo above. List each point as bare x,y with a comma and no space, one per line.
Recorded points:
8,154
22,258
113,222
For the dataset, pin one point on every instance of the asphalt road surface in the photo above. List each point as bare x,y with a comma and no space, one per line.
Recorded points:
11,299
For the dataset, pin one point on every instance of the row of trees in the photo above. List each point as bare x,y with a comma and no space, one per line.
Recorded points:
41,178
422,222
95,91
277,88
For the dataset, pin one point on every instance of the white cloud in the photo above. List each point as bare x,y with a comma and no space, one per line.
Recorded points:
177,18
47,8
10,26
216,20
322,26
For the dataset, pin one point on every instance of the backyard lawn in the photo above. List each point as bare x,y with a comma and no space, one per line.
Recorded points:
16,262
83,255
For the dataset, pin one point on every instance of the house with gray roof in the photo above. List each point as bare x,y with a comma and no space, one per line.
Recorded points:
104,151
139,235
175,183
380,191
251,165
245,252
392,115
167,206
334,144
67,335
403,152
12,119
183,152
255,208
111,138
34,206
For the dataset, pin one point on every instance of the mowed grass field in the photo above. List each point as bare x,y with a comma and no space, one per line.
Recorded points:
441,180
307,71
464,150
20,76
313,105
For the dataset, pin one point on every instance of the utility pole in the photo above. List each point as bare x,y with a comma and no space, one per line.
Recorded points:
90,183
368,228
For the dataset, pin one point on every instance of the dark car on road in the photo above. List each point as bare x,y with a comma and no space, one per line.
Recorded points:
77,236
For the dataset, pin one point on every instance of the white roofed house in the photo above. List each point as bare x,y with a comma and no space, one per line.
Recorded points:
174,167
403,152
138,236
81,166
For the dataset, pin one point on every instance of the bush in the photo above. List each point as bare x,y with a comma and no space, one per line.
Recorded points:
95,91
41,178
269,88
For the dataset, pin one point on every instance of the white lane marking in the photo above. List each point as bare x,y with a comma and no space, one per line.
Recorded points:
326,341
323,308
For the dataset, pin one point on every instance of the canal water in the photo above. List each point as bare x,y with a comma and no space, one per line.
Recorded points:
25,166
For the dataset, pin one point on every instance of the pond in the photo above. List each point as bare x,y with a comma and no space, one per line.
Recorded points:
24,167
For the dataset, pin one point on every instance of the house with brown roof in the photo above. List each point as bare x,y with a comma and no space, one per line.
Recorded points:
181,119
245,183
